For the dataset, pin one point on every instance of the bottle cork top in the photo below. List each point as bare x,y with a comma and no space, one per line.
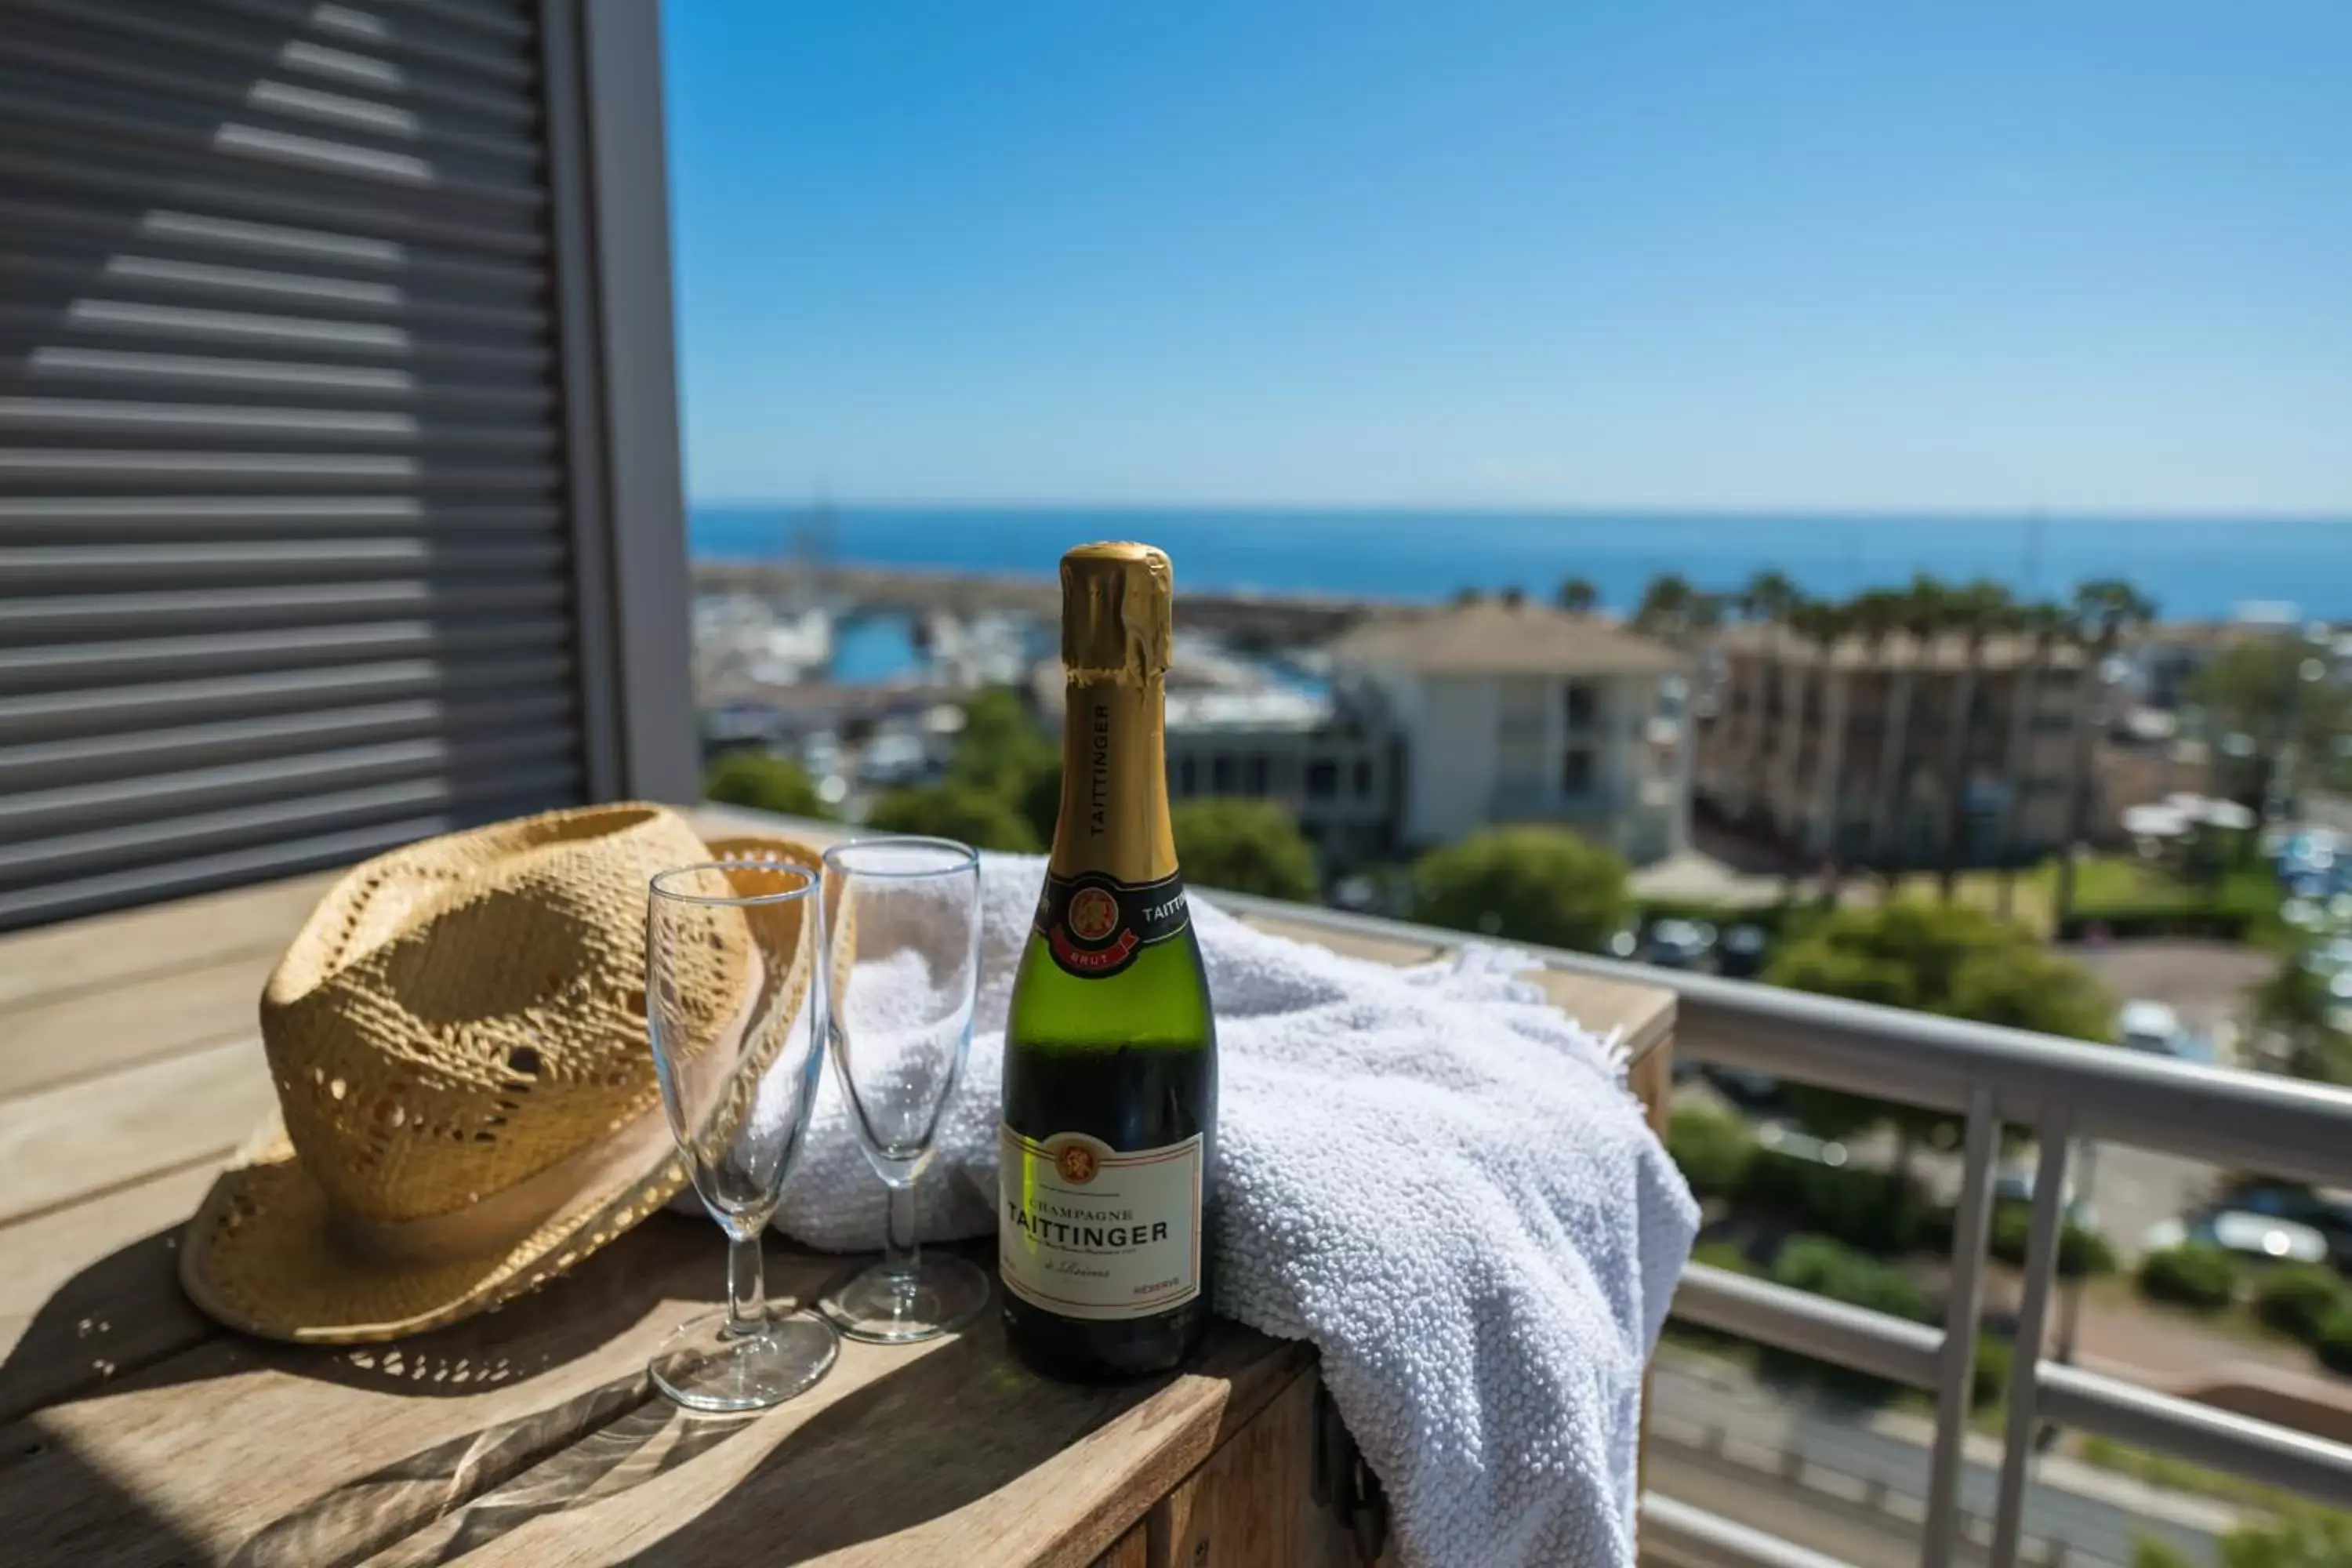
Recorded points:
1114,612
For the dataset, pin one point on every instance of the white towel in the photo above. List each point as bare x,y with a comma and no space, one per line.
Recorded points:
1431,1174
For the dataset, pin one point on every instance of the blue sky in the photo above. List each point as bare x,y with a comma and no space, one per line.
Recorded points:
2091,255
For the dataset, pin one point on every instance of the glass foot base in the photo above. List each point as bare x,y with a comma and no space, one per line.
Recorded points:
944,1293
704,1366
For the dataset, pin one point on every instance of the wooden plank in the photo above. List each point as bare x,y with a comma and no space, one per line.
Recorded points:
935,1456
278,1455
92,1292
1647,1013
1130,1551
61,1038
1252,1504
63,1144
186,933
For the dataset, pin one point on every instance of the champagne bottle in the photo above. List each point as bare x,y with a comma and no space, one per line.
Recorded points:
1108,1149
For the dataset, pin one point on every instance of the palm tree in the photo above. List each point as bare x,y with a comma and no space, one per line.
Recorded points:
1918,612
1975,612
1578,595
1875,616
1666,606
1770,598
1823,625
2104,610
2042,624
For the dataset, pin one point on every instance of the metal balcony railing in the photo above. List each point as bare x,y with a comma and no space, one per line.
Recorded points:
2060,1090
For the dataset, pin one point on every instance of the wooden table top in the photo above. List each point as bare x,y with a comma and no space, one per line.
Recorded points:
133,1432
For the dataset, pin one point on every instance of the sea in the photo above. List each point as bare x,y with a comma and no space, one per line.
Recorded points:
2194,569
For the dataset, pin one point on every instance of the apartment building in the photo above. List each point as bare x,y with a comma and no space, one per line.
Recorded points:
1512,711
1330,759
1855,751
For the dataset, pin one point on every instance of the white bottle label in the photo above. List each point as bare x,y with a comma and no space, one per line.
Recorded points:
1088,1231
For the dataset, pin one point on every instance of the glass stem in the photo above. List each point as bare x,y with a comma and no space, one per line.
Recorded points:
900,1253
747,1285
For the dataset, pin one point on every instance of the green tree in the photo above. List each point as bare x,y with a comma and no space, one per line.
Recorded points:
1244,846
1002,746
1006,770
2105,610
1528,884
2294,1009
1975,612
2299,1536
2275,694
1956,961
764,782
969,814
1820,1266
1578,595
2042,624
1672,611
2153,1552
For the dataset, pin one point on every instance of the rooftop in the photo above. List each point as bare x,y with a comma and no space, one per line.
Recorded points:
1494,637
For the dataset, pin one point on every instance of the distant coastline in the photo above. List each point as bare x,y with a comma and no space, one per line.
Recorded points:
2196,569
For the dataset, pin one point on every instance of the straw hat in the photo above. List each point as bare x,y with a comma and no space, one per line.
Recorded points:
467,1102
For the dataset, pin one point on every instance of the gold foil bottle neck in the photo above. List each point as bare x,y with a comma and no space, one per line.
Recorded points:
1114,612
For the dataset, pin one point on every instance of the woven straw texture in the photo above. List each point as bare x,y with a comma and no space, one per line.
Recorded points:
456,1036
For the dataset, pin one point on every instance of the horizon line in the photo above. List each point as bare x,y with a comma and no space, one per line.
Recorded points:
1531,509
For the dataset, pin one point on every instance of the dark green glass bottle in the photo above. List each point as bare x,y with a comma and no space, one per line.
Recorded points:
1108,1148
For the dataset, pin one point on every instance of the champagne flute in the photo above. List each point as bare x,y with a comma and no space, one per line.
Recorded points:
732,950
904,963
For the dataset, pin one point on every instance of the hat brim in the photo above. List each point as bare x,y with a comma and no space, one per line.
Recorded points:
264,1253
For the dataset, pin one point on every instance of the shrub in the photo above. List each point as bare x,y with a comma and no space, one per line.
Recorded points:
1244,846
1714,1148
2153,1552
1822,1267
2297,1536
753,778
2193,1274
1989,1378
969,815
2299,1298
2335,1342
1524,884
1876,1211
2080,1249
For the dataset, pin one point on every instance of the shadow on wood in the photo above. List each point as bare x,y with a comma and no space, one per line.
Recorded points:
121,1323
449,1499
943,1431
108,1524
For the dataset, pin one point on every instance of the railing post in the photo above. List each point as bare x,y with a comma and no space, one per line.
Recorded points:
2055,1131
1956,1386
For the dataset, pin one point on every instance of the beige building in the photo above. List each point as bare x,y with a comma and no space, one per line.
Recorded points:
1855,751
1520,712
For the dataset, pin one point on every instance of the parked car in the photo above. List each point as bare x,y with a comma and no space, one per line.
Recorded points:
1679,944
1741,953
2260,1238
1797,1144
2149,1026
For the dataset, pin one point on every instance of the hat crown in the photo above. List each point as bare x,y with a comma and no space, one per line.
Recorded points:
462,1015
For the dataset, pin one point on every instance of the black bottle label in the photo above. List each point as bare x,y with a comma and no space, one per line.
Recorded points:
1095,925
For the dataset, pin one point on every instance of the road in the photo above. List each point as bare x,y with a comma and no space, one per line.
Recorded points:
1860,1491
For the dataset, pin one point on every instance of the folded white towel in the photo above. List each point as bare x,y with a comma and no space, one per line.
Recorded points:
1431,1174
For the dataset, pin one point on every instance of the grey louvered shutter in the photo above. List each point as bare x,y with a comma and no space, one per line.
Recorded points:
290,549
